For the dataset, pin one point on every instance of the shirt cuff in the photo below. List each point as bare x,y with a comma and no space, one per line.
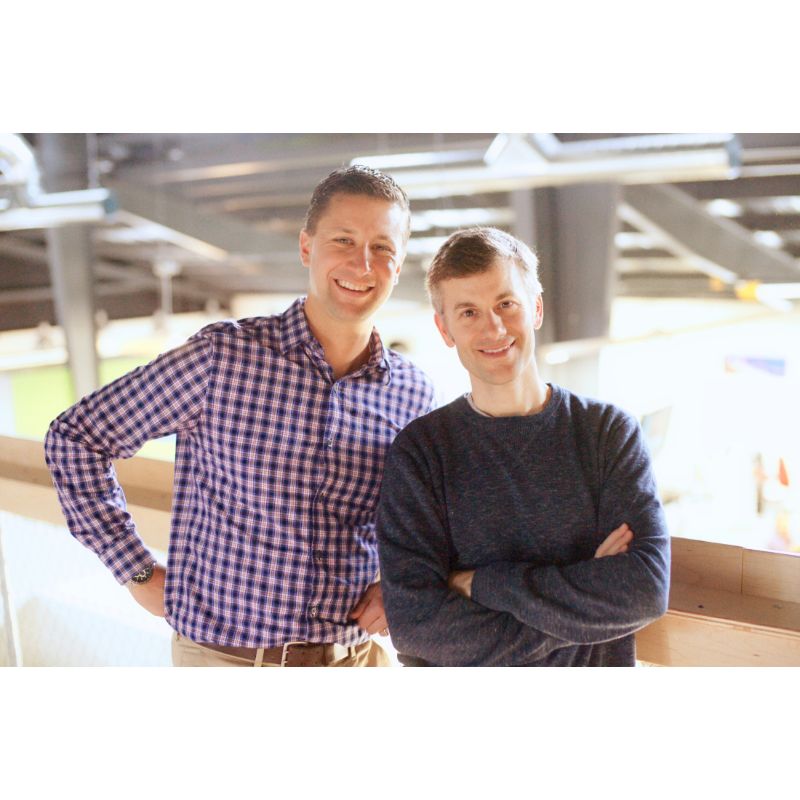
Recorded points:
125,559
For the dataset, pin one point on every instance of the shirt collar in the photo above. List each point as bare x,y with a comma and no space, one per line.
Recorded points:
294,329
294,332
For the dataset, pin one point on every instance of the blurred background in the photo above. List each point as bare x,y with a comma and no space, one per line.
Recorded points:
670,264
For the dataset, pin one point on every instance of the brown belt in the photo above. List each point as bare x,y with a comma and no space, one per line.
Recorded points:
291,654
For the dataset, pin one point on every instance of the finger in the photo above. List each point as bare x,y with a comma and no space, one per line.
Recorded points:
359,607
622,541
611,539
619,547
380,624
372,618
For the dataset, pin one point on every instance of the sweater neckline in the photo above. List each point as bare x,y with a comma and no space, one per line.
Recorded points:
466,407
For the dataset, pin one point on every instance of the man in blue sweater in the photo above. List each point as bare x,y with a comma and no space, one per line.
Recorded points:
518,525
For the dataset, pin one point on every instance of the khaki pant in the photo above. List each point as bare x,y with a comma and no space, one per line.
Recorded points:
186,653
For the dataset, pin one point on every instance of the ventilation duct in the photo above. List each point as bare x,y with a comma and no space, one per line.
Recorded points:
23,204
519,161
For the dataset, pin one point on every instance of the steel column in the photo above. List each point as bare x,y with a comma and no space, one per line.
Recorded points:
575,228
64,160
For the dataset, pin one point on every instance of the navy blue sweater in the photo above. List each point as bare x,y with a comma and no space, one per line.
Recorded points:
525,502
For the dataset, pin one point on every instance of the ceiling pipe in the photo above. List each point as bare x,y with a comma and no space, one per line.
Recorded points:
518,161
26,206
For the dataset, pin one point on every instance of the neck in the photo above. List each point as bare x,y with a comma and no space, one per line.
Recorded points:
345,343
526,395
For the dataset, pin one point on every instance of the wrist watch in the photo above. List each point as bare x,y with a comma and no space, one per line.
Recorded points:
144,575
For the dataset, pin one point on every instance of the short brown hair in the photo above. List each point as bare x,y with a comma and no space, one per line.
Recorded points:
357,180
476,250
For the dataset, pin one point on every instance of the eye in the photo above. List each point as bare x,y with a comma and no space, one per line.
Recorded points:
468,313
343,240
507,304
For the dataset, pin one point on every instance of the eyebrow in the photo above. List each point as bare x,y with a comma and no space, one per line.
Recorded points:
470,304
345,229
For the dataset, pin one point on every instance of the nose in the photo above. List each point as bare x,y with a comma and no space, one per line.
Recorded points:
494,324
361,259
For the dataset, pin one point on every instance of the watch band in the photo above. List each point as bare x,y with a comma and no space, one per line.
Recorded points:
143,575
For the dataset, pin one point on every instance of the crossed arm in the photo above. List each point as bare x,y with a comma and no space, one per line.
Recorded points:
614,544
510,612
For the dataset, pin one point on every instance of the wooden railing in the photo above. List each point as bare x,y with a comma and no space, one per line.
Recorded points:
729,606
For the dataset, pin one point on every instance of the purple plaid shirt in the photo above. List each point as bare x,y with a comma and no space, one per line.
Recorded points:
277,474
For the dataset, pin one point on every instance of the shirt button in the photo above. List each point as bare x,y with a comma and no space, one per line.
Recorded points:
313,611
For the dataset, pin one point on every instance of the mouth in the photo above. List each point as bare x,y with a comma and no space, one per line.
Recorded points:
355,288
496,352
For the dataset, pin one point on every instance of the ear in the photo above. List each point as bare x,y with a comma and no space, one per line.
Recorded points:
539,314
305,248
448,340
397,271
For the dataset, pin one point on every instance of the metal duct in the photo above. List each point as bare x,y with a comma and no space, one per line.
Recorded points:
519,161
26,206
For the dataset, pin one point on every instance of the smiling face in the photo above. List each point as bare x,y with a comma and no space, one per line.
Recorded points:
354,257
490,319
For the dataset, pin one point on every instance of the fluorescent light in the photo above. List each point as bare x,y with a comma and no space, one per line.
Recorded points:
724,208
461,217
390,161
768,239
633,240
785,291
425,245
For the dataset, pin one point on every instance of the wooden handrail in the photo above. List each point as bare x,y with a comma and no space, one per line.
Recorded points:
729,606
27,489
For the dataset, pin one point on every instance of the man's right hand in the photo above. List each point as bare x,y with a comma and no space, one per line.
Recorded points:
616,542
150,595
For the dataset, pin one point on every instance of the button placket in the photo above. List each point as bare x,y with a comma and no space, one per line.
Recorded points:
333,422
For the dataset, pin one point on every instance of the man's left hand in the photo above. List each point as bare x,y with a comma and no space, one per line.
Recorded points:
368,612
461,582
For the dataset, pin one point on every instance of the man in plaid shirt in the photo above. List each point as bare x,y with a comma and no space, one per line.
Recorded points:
282,425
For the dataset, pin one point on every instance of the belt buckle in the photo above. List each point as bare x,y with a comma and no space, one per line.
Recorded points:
285,651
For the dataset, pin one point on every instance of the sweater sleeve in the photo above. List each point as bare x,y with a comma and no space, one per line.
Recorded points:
598,599
427,620
158,399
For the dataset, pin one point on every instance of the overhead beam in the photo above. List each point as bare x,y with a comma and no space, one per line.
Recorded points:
774,186
770,222
653,285
228,237
123,278
719,246
202,160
